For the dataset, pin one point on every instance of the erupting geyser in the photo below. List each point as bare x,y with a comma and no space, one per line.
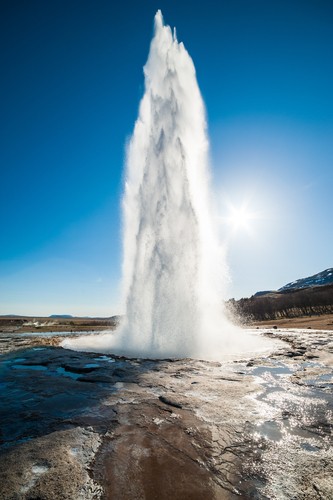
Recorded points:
172,260
171,256
174,267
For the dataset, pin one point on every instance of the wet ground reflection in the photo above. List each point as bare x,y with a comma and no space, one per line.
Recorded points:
258,428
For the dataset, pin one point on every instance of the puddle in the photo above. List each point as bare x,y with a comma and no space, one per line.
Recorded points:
54,334
284,430
29,367
105,358
61,371
92,365
296,414
325,379
309,364
270,430
275,371
309,447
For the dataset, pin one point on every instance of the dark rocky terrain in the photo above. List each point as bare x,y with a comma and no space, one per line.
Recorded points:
86,426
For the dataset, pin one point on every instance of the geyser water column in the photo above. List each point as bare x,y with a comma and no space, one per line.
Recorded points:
171,254
174,267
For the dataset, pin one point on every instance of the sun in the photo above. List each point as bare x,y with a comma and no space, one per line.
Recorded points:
240,218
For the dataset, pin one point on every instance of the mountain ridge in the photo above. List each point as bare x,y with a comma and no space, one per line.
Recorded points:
319,279
322,278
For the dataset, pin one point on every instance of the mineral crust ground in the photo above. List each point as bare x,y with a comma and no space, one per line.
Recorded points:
88,426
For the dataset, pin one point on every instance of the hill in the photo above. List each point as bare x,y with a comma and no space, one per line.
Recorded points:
61,316
319,279
303,297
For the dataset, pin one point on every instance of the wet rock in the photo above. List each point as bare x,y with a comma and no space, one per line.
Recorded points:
119,372
170,402
167,429
52,466
145,459
97,378
79,368
293,354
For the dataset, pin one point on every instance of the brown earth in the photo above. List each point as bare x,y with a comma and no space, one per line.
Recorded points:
34,324
320,322
20,324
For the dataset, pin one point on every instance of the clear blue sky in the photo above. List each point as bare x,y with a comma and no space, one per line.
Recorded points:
70,88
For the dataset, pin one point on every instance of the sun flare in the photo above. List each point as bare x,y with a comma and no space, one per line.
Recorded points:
240,218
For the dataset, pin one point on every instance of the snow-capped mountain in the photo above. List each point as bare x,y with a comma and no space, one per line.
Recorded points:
323,278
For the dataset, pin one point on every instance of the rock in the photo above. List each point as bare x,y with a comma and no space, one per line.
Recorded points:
169,402
293,354
78,368
54,466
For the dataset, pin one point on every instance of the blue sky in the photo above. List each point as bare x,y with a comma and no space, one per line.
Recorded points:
71,84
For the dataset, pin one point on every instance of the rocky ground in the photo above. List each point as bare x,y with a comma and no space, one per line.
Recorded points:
88,426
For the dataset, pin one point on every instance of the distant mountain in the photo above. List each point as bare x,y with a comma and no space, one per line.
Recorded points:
323,278
61,316
264,292
319,279
10,316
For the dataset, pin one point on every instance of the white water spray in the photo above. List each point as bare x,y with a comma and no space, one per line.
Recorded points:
172,260
174,267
